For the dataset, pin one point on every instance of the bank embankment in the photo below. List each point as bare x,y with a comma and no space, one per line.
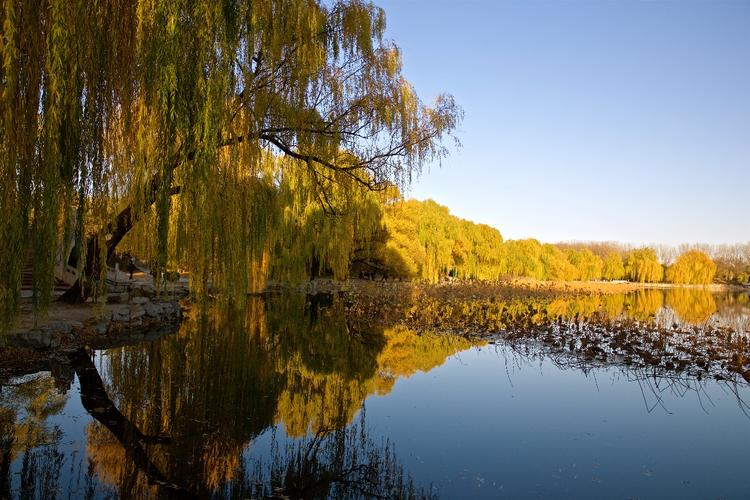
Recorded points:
67,327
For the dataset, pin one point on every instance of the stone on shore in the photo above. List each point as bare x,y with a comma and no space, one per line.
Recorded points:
125,316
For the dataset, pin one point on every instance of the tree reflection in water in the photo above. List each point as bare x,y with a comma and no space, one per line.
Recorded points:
691,307
179,416
182,411
26,435
655,382
682,329
333,463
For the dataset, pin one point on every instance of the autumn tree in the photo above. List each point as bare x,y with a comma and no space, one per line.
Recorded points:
523,258
424,240
732,262
613,268
641,265
114,112
692,268
588,266
599,248
556,265
483,255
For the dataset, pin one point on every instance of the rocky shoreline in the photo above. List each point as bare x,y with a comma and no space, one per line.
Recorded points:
128,308
140,313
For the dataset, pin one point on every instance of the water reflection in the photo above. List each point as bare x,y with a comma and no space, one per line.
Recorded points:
687,330
27,437
182,416
655,382
344,462
174,417
692,306
689,307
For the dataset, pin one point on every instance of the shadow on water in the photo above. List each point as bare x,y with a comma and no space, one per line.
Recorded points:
178,416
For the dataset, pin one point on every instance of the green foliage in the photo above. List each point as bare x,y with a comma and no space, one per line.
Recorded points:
641,265
692,268
110,108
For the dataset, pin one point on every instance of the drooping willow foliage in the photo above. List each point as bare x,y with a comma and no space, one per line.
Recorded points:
279,229
692,267
221,122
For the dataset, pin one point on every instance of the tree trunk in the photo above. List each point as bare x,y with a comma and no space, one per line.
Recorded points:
97,403
82,288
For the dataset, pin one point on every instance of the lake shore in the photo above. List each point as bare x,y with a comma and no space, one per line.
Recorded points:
130,317
504,288
68,327
671,329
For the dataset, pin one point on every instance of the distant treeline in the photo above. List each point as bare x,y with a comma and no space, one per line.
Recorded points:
421,239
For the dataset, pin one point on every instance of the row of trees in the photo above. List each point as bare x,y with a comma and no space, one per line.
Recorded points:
421,239
732,260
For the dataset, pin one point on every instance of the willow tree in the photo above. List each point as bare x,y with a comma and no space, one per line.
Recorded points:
587,266
613,268
643,266
115,110
692,267
556,265
524,258
422,239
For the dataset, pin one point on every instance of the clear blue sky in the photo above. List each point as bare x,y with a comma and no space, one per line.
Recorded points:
589,120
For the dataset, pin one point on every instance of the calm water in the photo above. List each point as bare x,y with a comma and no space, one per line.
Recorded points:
289,395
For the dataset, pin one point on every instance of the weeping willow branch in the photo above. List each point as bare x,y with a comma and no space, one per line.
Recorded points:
114,232
290,110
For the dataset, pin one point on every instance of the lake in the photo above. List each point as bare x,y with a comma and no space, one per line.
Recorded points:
289,396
